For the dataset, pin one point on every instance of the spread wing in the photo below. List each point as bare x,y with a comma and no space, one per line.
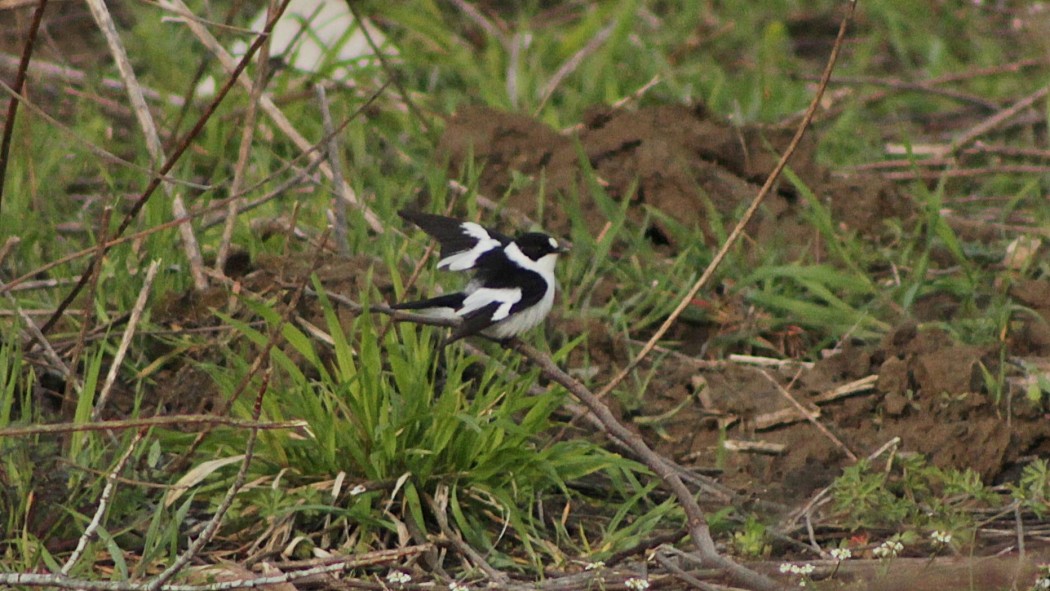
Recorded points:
463,244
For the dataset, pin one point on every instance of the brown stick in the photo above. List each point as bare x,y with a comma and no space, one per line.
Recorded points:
696,521
184,145
12,105
750,213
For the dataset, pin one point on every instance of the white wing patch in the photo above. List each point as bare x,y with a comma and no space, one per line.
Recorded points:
461,261
483,296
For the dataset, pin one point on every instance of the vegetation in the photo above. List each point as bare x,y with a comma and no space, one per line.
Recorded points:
344,433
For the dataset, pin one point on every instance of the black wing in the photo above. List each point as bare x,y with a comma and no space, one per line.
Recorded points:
462,243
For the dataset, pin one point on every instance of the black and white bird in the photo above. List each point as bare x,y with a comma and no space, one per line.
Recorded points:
513,285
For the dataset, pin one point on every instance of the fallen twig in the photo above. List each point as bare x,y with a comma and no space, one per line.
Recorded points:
103,502
125,341
174,421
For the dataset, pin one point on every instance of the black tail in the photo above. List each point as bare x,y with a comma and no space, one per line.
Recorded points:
452,300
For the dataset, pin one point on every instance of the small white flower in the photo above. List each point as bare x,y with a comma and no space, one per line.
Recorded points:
785,567
1042,584
941,537
636,584
841,554
594,565
454,586
806,569
397,577
888,549
357,490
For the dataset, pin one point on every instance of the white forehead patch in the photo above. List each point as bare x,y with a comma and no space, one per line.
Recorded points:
554,243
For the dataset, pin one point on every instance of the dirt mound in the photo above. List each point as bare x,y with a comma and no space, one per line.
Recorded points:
674,162
920,386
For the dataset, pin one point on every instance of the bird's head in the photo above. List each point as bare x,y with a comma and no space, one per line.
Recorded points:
541,248
537,245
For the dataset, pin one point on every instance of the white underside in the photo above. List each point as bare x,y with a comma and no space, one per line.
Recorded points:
524,320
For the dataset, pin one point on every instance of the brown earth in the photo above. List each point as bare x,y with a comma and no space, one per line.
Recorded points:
922,386
675,163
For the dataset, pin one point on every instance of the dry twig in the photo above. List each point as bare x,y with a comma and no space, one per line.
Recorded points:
149,130
751,210
240,168
19,82
103,503
176,155
125,341
180,421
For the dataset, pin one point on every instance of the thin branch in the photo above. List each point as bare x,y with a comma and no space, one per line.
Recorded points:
149,130
244,151
696,521
335,160
183,145
173,421
746,218
125,341
996,120
390,71
103,503
438,508
12,105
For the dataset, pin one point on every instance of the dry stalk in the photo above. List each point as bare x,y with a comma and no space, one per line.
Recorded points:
996,120
94,271
750,213
339,565
125,341
335,160
265,102
176,155
149,130
103,502
244,151
181,421
19,82
574,62
810,416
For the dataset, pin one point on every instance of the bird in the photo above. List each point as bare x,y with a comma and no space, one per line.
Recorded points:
513,286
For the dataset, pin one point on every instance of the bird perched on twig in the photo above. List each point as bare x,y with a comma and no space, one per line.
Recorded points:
513,285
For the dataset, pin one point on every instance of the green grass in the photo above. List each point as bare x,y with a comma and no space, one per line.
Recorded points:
382,413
